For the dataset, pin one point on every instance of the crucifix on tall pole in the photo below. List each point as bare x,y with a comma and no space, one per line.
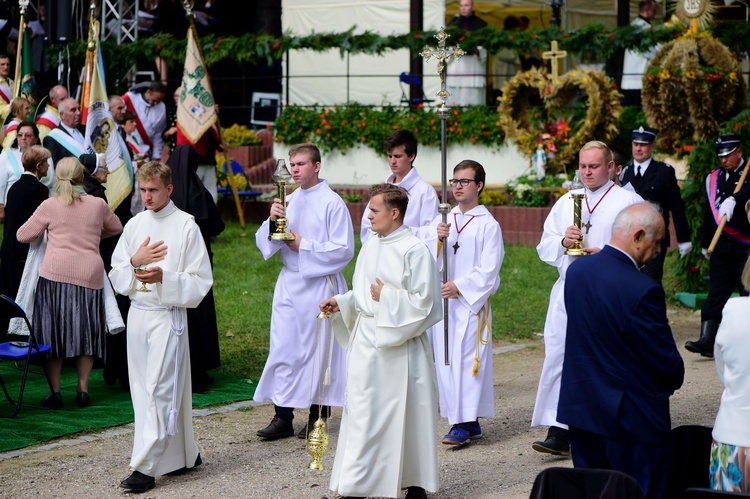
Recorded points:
444,55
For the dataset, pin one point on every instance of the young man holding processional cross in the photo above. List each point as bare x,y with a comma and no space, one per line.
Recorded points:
475,253
603,200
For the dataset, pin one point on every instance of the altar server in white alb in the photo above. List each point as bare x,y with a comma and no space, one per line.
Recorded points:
387,436
313,261
167,243
475,254
603,200
401,147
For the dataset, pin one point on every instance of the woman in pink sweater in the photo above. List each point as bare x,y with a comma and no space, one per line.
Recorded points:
68,302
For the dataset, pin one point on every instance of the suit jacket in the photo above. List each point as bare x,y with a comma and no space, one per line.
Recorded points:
659,185
59,152
24,197
621,362
739,223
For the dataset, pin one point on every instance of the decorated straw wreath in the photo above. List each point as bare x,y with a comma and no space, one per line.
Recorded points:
566,123
691,86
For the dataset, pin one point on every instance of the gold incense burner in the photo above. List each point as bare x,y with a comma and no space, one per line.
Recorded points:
317,444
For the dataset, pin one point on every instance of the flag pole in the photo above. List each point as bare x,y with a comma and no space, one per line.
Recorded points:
88,68
22,4
188,4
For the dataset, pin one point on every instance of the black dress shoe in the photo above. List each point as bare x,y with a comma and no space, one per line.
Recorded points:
83,399
198,462
138,482
415,493
552,445
277,429
52,401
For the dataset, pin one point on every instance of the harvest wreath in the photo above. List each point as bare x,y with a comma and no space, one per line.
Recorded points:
579,106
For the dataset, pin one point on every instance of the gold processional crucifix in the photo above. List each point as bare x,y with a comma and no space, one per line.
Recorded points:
554,55
444,56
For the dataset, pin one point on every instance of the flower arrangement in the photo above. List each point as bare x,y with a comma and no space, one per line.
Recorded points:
565,123
240,135
528,190
222,178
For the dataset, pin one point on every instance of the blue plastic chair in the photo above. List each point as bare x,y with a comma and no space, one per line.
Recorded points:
406,80
21,353
244,195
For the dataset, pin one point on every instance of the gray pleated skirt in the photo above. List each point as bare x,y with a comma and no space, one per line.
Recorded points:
69,318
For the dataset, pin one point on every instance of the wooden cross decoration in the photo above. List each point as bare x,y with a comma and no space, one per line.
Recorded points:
554,55
444,56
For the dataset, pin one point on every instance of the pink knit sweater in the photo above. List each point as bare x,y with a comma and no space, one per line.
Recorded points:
73,235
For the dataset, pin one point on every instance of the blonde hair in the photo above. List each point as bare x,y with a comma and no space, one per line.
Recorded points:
154,170
69,173
597,144
746,275
33,156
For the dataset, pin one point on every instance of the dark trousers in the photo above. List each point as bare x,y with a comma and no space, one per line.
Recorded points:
287,413
724,278
650,465
655,267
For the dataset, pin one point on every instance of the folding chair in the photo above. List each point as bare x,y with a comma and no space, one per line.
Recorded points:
21,353
406,80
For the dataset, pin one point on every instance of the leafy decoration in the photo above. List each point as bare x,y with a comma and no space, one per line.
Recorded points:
600,120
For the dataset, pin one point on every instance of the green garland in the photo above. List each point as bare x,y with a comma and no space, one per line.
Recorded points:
262,49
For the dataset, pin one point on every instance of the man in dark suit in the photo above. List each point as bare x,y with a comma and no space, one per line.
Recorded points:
24,197
68,138
656,182
614,393
727,259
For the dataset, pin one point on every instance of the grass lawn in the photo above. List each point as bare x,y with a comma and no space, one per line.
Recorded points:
244,285
244,290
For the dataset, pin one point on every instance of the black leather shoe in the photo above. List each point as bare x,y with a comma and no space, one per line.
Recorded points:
415,493
552,445
52,401
83,399
277,429
138,482
198,462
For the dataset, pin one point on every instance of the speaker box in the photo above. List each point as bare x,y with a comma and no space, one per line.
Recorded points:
59,21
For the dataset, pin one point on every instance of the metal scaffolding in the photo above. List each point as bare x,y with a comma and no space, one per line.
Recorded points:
120,20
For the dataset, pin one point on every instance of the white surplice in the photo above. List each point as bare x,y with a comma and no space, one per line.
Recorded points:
422,208
606,204
475,269
308,277
158,354
387,437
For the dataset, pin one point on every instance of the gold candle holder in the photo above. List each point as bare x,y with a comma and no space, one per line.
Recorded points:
577,185
281,178
317,444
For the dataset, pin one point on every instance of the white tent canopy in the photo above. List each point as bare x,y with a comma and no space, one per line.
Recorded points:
328,79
